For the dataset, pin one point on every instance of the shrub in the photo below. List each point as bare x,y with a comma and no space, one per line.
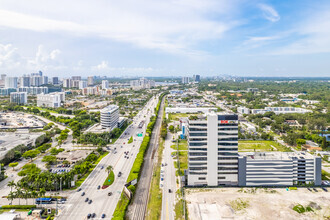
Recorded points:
18,206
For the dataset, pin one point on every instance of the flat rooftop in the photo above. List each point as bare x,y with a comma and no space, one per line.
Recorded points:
276,155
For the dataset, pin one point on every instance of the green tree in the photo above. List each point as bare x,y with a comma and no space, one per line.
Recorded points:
13,165
109,169
31,154
11,184
171,128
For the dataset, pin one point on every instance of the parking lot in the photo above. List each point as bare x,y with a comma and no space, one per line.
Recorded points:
257,203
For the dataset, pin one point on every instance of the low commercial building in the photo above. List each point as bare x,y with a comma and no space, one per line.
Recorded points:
278,169
110,117
188,110
243,110
276,110
51,100
18,98
73,156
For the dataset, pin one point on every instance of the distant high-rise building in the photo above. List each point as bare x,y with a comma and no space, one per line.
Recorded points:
37,74
44,80
75,83
25,81
36,80
76,78
82,84
3,76
67,83
11,82
90,81
18,98
197,78
142,83
105,84
185,80
55,81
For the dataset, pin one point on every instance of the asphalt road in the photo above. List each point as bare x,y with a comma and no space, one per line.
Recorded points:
138,207
169,180
76,207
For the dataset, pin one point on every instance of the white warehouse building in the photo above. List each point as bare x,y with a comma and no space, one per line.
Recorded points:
110,117
51,100
278,169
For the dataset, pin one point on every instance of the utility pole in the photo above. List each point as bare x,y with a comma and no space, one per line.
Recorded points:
61,184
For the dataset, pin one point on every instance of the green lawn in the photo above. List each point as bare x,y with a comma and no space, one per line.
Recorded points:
260,146
155,199
182,145
110,179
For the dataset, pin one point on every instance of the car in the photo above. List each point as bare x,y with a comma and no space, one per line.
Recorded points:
98,187
79,189
89,215
83,193
169,190
324,189
86,200
93,215
124,143
309,189
119,174
315,190
103,215
102,167
165,164
127,157
121,146
109,193
90,201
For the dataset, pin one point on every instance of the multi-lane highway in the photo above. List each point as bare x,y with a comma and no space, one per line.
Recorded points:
138,207
76,207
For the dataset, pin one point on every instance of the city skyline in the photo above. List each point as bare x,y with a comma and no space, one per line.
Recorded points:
153,38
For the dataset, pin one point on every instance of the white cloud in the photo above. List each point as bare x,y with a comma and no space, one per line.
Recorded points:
102,66
269,12
9,57
174,26
44,59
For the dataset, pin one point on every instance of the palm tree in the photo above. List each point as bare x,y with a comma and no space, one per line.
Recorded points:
11,184
18,194
11,196
109,169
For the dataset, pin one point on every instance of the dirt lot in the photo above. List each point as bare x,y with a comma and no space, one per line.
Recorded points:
253,203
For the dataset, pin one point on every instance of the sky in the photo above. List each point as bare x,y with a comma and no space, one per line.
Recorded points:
165,38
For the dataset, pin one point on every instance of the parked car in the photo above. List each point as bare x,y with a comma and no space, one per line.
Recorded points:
324,189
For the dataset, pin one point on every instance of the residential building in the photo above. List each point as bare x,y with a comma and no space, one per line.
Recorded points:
185,80
278,169
44,80
6,91
67,83
82,84
11,82
213,150
105,84
25,81
36,80
33,90
286,110
55,81
90,80
110,117
51,100
197,78
188,110
75,83
252,89
2,80
142,83
18,98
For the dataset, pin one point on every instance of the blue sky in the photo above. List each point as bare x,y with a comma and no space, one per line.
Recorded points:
165,38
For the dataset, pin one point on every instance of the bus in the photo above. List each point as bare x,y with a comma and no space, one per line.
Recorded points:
43,201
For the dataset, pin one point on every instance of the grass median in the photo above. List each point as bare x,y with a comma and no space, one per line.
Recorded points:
110,179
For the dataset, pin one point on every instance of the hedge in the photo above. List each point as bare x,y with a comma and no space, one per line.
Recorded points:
138,162
18,206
